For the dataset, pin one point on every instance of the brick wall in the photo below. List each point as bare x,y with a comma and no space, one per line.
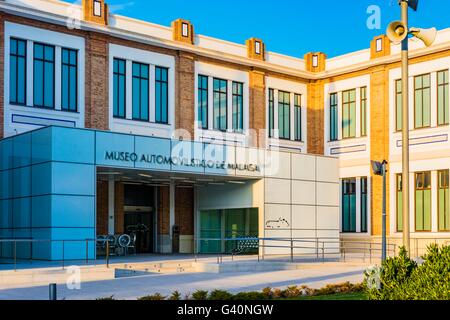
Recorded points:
118,207
258,108
185,94
163,210
184,210
102,207
315,118
379,141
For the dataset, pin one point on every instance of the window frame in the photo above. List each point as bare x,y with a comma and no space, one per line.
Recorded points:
343,193
446,200
17,56
235,98
344,104
44,61
221,94
398,189
333,109
166,92
422,89
271,113
203,123
423,189
283,104
446,98
398,94
141,79
119,75
69,65
363,111
298,134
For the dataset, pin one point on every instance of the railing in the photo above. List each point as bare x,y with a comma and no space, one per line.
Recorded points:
318,248
25,246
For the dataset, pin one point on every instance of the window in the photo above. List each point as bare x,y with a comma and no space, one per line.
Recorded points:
333,117
442,97
349,114
298,117
443,201
271,113
349,205
315,61
284,116
220,104
423,201
119,75
18,72
379,45
185,30
363,104
398,105
69,79
161,95
257,47
44,76
422,101
238,107
203,102
399,188
97,9
364,204
140,91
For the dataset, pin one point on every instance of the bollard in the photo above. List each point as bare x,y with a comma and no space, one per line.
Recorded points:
52,292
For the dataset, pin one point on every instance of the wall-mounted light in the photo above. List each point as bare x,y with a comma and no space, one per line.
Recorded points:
185,29
97,8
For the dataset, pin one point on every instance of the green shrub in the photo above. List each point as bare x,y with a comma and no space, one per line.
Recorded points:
106,298
345,287
200,295
156,296
175,295
402,279
252,295
220,295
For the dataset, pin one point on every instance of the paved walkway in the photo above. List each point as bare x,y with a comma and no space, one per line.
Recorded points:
314,275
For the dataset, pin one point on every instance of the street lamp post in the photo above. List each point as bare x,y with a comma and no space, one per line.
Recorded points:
397,32
405,130
379,169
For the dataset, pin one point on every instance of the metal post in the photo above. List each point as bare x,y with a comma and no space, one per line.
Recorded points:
15,255
405,131
323,252
383,240
107,253
292,250
52,295
87,251
63,245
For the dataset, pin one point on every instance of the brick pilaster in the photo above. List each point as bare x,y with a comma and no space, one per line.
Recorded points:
185,94
257,109
184,210
102,207
315,117
2,74
163,210
119,215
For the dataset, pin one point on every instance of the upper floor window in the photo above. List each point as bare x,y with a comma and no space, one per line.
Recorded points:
202,113
119,75
298,117
333,117
140,84
284,116
398,105
422,101
423,201
363,199
238,107
44,76
442,97
69,79
18,71
161,95
271,113
220,104
349,114
363,111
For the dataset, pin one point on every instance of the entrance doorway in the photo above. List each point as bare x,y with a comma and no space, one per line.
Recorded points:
226,224
139,215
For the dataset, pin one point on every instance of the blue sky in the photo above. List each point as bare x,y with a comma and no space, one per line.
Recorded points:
291,27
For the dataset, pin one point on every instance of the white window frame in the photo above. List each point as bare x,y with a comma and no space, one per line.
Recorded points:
230,75
39,116
293,88
128,125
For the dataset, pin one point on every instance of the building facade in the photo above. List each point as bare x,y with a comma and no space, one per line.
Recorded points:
288,140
